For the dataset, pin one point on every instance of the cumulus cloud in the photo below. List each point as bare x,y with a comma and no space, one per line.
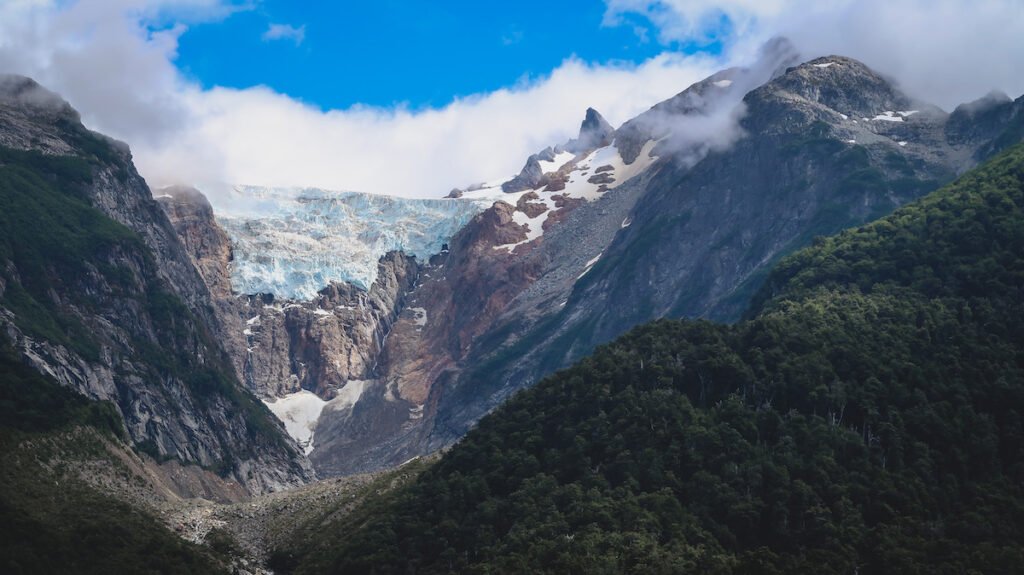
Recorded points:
259,136
285,32
105,58
942,51
114,60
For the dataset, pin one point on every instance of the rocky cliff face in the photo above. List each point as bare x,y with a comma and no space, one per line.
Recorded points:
99,292
330,345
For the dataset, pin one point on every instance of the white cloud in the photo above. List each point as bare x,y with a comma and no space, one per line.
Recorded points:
943,51
285,32
99,55
104,58
258,136
698,20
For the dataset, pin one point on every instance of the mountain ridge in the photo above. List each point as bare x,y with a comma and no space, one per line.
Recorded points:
98,293
865,418
582,244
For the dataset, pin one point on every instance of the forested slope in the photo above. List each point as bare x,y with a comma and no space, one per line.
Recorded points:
51,520
868,417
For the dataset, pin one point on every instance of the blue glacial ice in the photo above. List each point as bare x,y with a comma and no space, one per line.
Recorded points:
293,242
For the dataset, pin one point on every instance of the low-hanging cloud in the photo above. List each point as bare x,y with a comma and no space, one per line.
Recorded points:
114,60
941,51
707,117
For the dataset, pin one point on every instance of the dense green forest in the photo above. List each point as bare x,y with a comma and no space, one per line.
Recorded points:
866,417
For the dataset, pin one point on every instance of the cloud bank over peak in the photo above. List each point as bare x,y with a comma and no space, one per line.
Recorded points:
114,60
943,51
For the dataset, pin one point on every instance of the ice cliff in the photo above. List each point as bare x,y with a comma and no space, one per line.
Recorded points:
293,242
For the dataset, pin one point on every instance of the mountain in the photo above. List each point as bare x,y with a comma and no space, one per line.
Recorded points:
516,278
98,294
866,418
159,352
679,212
824,145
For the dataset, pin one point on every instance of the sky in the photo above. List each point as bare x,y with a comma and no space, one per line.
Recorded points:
414,98
391,52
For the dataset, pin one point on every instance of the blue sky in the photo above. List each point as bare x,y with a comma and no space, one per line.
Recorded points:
401,52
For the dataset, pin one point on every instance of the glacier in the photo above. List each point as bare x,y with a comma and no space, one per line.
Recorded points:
293,242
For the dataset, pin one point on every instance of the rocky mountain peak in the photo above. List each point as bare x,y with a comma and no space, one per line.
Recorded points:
990,100
192,217
595,132
182,194
529,178
842,84
38,119
993,113
26,94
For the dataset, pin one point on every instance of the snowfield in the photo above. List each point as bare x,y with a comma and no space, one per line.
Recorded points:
577,186
299,412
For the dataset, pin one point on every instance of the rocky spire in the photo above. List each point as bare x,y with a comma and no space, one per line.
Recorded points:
595,132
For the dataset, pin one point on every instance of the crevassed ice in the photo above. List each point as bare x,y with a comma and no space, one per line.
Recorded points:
293,242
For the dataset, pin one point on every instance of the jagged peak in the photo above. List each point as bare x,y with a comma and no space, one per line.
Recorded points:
840,83
722,89
984,103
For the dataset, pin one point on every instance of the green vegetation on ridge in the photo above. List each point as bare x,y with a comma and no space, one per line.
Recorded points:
68,260
50,520
867,417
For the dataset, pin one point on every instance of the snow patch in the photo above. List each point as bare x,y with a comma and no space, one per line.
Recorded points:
888,116
299,412
723,83
347,396
823,65
628,221
902,143
416,412
253,320
590,263
419,316
577,186
560,160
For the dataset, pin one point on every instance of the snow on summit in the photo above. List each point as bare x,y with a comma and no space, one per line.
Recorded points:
293,242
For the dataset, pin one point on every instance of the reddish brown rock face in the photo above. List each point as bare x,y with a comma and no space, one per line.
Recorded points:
531,205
